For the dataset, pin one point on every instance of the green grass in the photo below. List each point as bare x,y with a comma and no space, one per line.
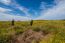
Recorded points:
57,27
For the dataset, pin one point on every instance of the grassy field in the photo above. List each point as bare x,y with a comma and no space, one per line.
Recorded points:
54,28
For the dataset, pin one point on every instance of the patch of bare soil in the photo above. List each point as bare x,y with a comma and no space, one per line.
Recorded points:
28,36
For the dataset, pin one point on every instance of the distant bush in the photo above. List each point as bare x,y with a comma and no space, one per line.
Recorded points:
31,23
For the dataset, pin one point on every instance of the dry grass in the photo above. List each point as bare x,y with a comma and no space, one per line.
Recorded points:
56,27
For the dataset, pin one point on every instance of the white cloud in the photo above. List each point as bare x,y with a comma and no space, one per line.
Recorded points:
9,17
57,12
43,5
6,17
7,2
15,5
4,9
23,9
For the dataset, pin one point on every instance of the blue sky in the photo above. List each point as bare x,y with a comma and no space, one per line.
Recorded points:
33,4
32,9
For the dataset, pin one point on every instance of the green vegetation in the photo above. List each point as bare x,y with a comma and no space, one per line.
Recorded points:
55,28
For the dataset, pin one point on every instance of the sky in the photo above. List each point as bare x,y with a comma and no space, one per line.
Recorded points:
32,9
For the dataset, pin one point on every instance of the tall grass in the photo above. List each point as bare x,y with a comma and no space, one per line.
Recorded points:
56,27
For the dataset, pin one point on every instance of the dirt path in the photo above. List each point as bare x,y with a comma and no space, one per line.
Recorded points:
28,36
